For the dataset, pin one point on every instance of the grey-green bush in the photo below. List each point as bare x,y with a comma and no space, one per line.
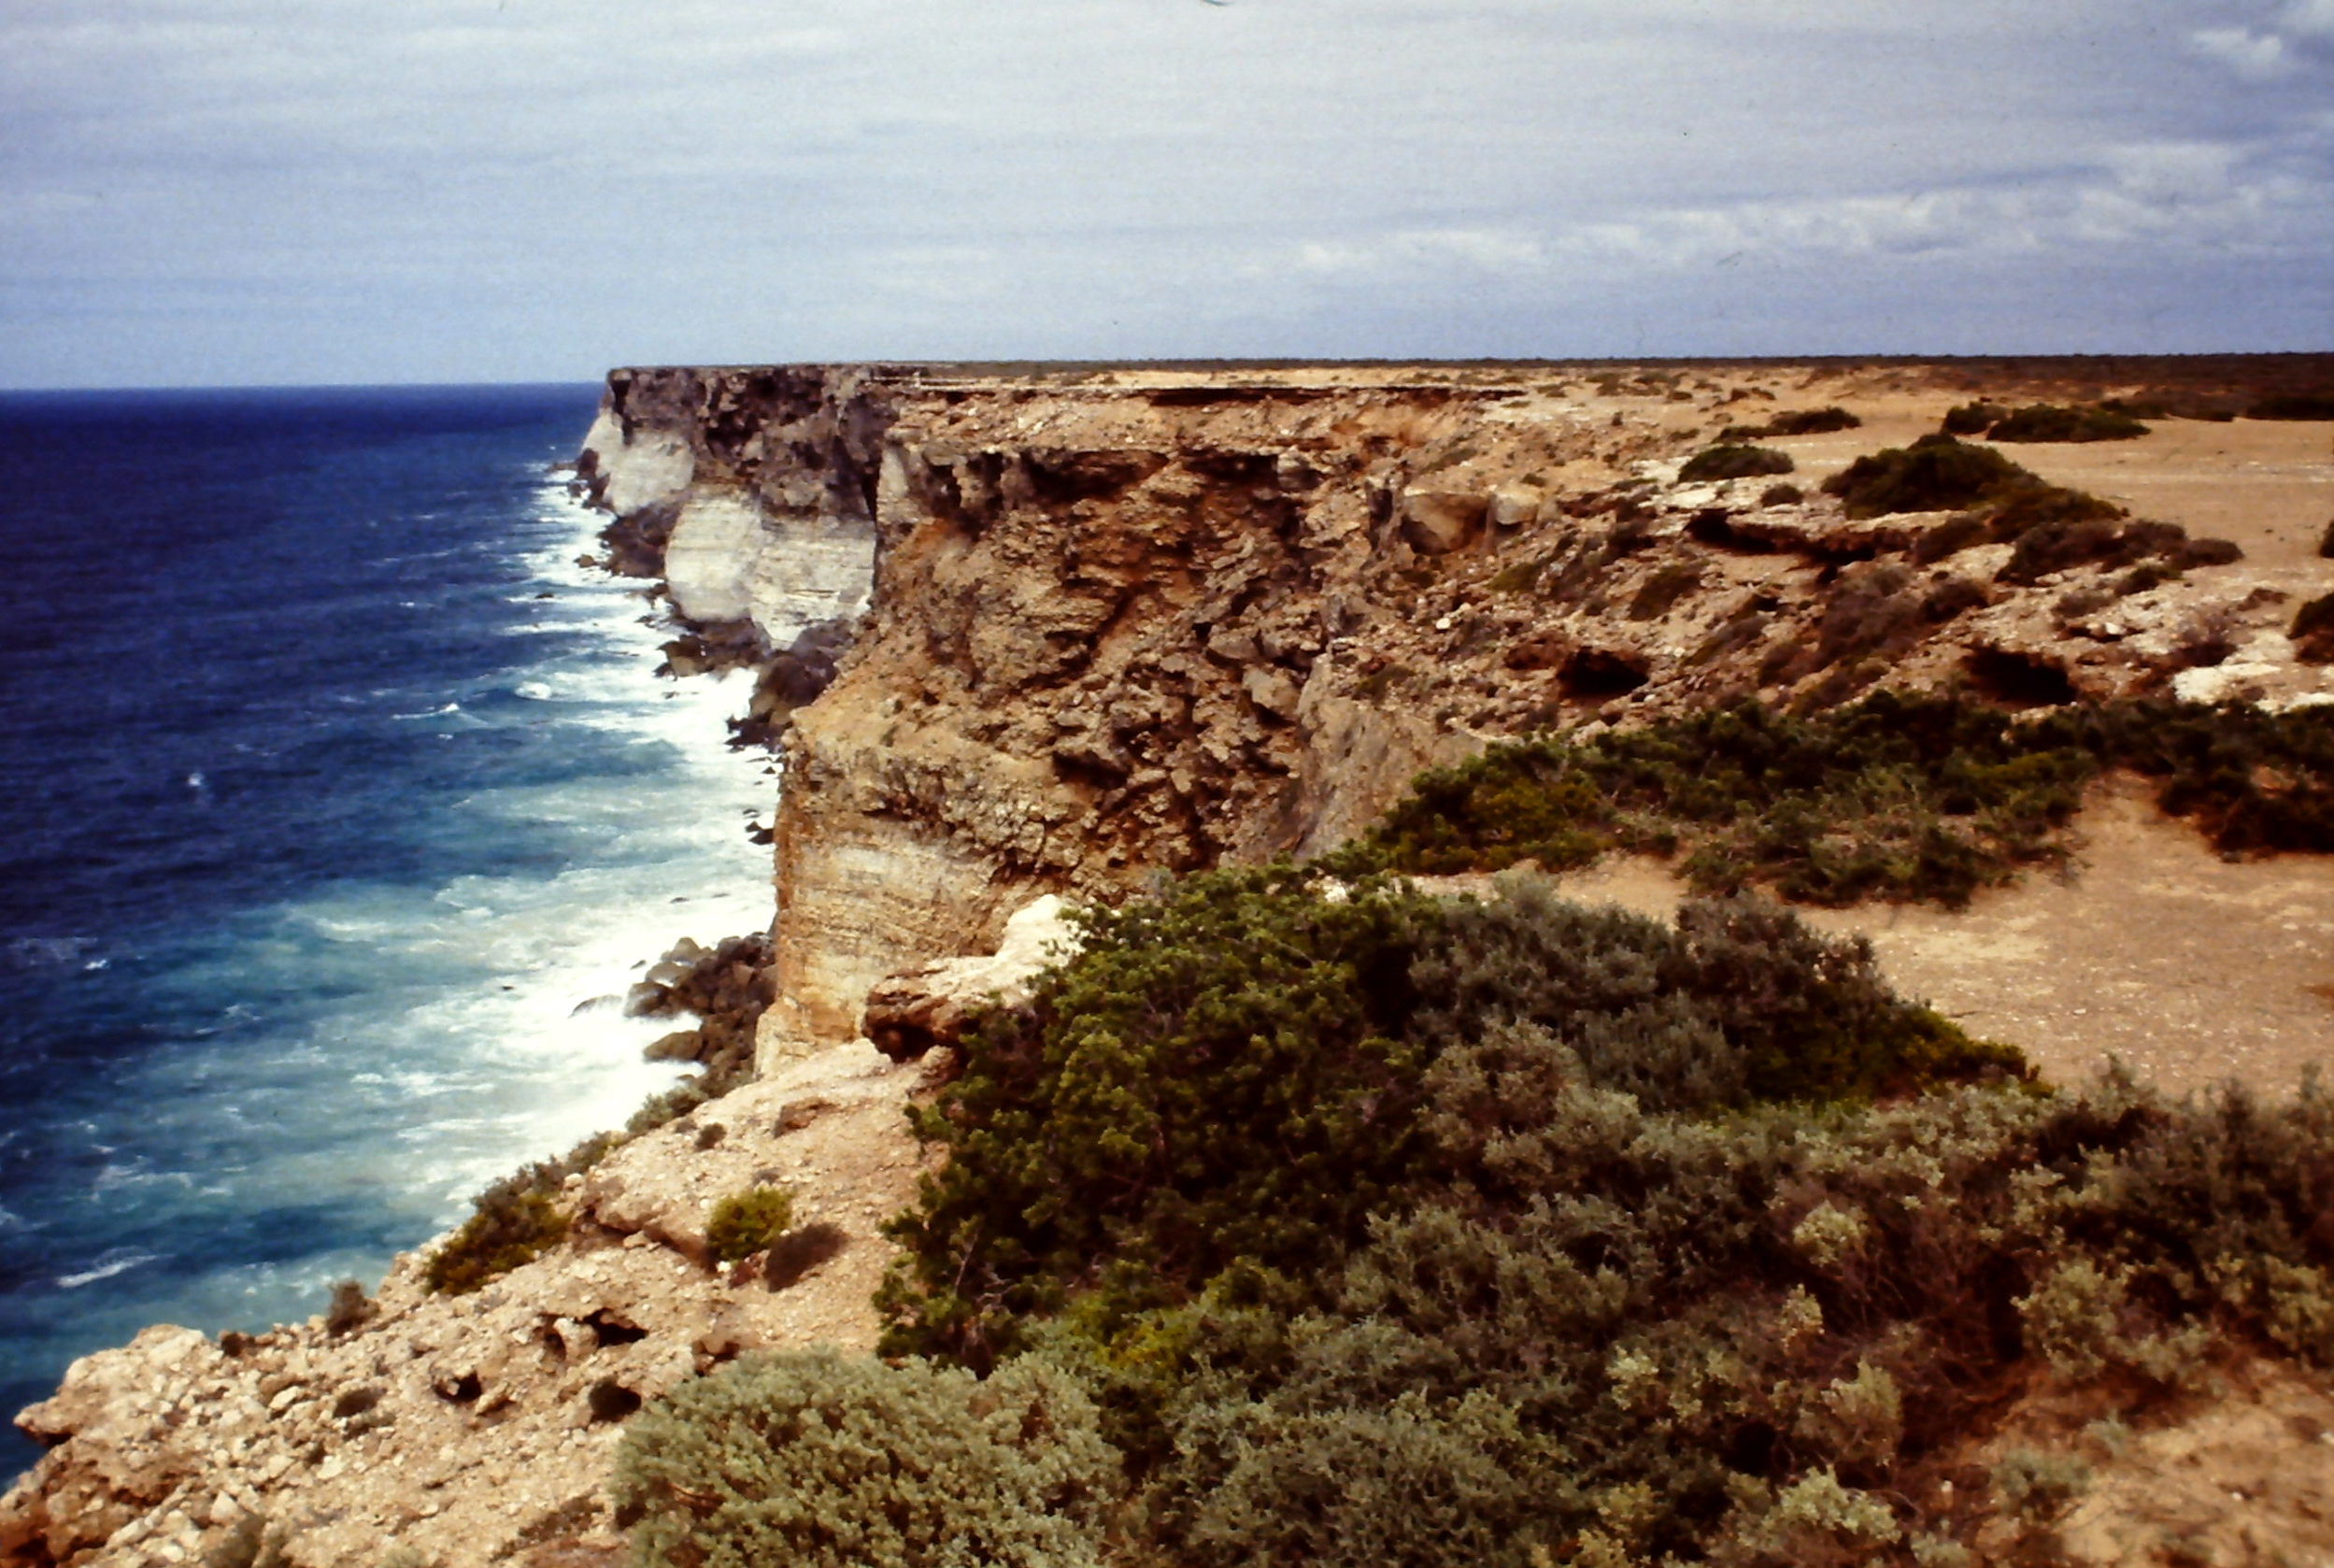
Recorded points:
814,1461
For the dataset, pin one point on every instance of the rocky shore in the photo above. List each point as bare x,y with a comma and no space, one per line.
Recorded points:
1023,635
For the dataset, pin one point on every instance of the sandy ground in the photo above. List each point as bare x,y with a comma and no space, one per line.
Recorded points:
2191,968
2269,485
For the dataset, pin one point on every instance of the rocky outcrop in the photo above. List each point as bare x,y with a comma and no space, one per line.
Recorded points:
929,1006
1122,621
478,1429
750,492
1048,633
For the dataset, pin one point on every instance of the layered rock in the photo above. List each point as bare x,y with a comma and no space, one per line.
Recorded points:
750,492
1142,619
1053,633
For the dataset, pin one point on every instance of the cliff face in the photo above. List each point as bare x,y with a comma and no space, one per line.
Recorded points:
1100,624
750,492
1090,626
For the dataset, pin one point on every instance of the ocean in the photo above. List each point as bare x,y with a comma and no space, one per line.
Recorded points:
339,807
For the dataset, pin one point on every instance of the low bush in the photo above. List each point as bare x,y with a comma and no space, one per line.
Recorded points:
1634,1300
1738,1340
1950,537
2054,546
1233,1072
813,1459
1811,421
2293,406
2312,631
1935,474
1220,1074
2326,543
1896,796
1974,418
512,1222
1782,495
2050,526
2046,421
1734,463
748,1222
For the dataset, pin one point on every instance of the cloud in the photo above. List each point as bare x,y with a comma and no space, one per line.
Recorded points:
2176,198
2254,56
347,188
2313,17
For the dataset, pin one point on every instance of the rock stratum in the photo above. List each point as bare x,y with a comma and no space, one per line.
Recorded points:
1022,631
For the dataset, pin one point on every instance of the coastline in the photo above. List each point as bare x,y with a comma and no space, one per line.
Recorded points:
1102,623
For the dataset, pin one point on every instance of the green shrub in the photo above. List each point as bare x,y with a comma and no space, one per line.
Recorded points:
1939,474
1230,1076
2055,546
1811,421
1782,495
748,1222
1974,418
1218,1075
2326,543
1734,463
1950,537
2312,631
1896,796
1737,1338
812,1459
512,1222
2293,406
1935,474
2045,421
1736,1003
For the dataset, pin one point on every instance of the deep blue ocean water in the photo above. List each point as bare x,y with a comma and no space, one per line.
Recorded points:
338,804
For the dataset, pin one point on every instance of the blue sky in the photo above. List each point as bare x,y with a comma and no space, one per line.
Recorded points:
239,192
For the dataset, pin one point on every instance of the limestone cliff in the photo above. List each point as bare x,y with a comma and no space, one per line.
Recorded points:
1036,632
1106,622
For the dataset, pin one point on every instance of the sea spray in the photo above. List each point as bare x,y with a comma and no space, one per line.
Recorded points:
336,912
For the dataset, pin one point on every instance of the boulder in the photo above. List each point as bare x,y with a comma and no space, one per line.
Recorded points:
1436,521
910,1012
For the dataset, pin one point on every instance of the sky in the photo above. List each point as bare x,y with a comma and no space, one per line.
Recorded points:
291,191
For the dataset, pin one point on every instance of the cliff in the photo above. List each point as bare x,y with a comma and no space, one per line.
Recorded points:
1104,622
1025,631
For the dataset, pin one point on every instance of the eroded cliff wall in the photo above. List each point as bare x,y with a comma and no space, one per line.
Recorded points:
1100,624
1092,625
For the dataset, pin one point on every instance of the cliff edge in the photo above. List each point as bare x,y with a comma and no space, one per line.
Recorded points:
1023,630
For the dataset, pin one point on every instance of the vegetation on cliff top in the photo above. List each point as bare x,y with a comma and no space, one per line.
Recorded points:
1377,1229
1618,1243
1234,1075
1904,797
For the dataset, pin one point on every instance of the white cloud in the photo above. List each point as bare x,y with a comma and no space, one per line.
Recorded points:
754,179
2254,56
2177,198
2309,15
